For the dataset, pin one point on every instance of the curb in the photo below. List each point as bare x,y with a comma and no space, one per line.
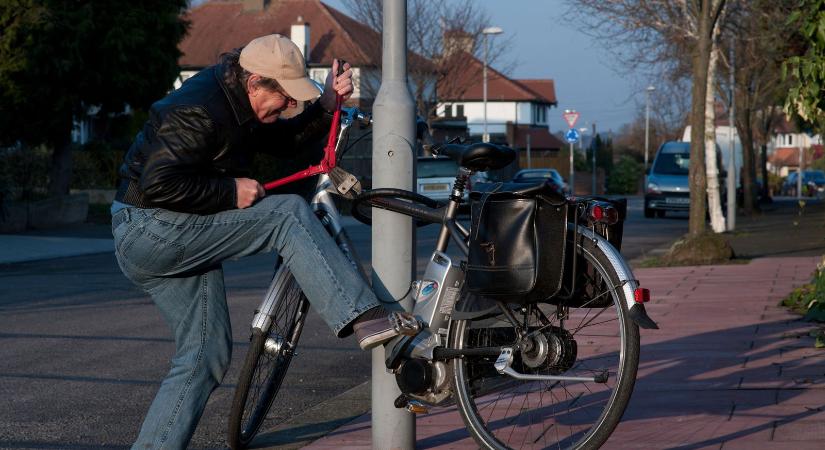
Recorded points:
319,421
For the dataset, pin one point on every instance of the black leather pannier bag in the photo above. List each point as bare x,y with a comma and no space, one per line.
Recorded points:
517,244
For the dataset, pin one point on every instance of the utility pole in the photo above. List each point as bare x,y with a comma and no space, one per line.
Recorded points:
732,172
799,170
529,162
489,30
593,151
393,251
648,91
572,173
583,130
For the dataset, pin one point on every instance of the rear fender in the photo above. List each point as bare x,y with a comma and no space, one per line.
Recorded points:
626,279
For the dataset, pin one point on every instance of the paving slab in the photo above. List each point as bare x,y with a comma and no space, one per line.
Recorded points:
729,368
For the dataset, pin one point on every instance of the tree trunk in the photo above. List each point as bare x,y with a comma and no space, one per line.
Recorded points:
701,56
765,126
60,174
748,166
717,219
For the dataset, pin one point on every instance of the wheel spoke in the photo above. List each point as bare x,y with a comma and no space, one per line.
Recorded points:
576,341
264,372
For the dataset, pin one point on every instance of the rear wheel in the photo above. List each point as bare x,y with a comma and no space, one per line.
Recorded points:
503,412
270,352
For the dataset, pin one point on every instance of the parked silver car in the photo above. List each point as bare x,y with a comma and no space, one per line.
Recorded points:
667,187
435,177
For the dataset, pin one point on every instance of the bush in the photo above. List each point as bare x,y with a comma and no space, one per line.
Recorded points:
775,183
809,300
625,176
95,166
24,173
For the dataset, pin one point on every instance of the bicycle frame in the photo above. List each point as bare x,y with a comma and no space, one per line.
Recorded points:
438,290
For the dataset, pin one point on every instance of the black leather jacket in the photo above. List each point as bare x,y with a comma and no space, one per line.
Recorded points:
199,138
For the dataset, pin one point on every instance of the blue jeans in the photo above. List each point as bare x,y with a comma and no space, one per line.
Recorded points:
176,258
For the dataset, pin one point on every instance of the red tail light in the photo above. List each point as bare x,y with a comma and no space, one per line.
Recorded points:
641,295
604,213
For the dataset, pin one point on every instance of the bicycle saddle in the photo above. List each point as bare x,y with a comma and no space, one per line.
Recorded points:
479,157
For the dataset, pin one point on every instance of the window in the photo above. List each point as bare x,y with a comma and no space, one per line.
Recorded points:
539,113
459,110
672,163
319,74
448,110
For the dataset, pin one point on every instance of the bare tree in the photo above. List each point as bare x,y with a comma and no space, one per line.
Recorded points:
660,33
440,35
760,44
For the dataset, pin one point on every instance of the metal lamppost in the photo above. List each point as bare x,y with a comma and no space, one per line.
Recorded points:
393,251
582,131
489,30
648,91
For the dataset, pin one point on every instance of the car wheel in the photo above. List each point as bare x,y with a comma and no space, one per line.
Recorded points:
660,213
649,213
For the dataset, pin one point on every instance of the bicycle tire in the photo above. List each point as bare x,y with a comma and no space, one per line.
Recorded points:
264,368
487,420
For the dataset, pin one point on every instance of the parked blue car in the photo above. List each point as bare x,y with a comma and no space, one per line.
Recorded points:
667,187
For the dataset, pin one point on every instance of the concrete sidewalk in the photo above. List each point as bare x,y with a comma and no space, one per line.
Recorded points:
728,368
15,248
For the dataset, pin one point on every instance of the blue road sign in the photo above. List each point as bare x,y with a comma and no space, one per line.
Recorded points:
572,136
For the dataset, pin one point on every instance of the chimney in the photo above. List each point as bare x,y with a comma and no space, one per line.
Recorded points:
255,5
457,40
299,33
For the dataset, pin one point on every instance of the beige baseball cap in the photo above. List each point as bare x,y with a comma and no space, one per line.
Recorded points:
277,57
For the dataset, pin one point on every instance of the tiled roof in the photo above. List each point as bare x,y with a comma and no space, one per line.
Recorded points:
467,76
220,26
785,127
785,156
544,87
789,156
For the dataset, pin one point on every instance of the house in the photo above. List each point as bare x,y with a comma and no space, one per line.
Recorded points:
322,32
786,143
783,147
517,110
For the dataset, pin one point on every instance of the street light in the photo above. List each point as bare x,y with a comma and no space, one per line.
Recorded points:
648,91
489,30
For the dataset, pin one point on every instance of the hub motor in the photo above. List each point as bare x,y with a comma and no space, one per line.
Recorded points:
552,350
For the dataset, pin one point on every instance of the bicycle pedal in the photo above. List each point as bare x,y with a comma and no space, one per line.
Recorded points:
405,323
416,407
413,406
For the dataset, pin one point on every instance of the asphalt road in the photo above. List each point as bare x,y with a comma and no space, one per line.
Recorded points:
83,351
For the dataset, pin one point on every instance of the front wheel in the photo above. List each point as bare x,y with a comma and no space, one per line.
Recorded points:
270,352
502,412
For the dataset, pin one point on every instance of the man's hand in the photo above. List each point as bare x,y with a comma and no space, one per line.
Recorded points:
342,84
248,191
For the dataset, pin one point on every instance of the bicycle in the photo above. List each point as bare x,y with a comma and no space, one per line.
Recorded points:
554,374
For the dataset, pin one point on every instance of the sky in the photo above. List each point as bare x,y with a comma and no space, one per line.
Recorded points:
547,45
